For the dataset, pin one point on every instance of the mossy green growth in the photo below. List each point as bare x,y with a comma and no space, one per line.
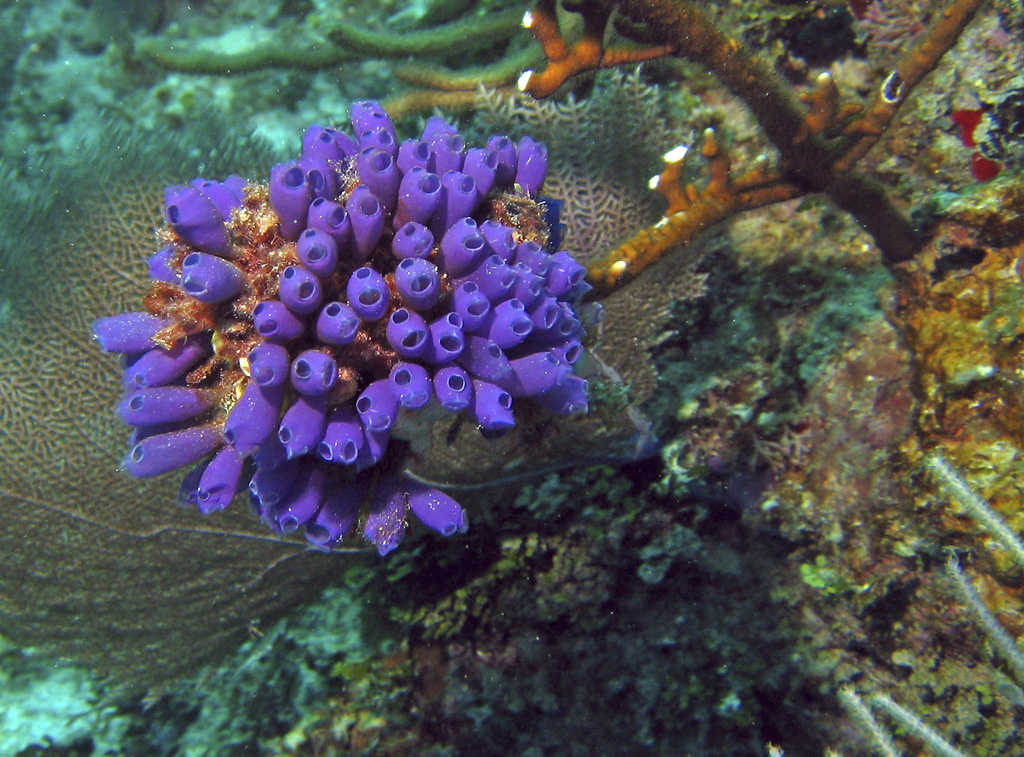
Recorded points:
474,602
598,491
677,542
818,575
609,397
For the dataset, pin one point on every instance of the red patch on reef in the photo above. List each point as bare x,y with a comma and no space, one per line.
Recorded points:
982,168
859,8
968,121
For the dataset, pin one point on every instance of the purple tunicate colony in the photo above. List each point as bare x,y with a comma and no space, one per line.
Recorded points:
390,280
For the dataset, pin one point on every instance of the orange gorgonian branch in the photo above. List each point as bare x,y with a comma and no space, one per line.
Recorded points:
819,142
589,52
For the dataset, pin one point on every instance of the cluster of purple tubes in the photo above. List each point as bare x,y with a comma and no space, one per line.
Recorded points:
474,322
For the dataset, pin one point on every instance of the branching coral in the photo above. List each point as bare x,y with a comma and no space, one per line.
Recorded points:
343,43
818,147
333,43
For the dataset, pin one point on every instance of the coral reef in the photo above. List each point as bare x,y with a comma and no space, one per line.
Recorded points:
891,623
814,563
510,649
818,148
